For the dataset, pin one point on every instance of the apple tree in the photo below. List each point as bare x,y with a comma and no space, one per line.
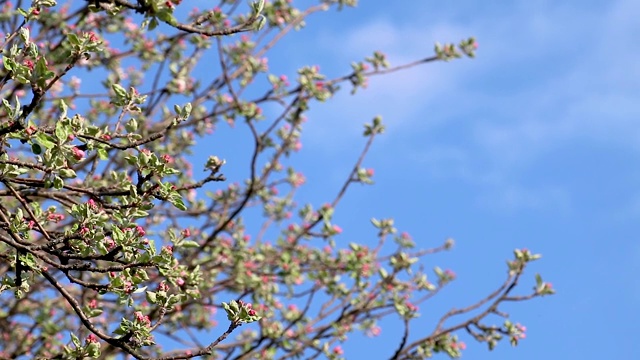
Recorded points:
122,237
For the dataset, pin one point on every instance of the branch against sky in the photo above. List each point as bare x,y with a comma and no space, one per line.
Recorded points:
105,224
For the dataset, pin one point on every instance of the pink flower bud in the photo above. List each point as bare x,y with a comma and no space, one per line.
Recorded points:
77,153
140,231
92,338
93,304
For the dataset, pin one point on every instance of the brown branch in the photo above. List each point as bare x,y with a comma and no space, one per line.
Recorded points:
85,319
206,351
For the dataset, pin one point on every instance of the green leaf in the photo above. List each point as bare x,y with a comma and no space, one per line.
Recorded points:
95,313
187,110
260,22
131,125
58,183
8,63
153,24
61,132
176,200
93,350
7,107
102,154
152,297
231,313
189,244
22,12
119,90
63,109
75,340
46,3
19,214
438,271
41,71
73,39
45,140
67,173
139,213
17,109
167,16
24,35
257,6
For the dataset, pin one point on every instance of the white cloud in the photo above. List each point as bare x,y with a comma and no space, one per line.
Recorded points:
499,192
578,67
593,101
512,197
400,97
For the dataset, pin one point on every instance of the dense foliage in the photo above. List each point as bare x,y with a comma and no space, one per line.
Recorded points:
114,241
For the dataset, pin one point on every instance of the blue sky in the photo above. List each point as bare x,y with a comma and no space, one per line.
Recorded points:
534,143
